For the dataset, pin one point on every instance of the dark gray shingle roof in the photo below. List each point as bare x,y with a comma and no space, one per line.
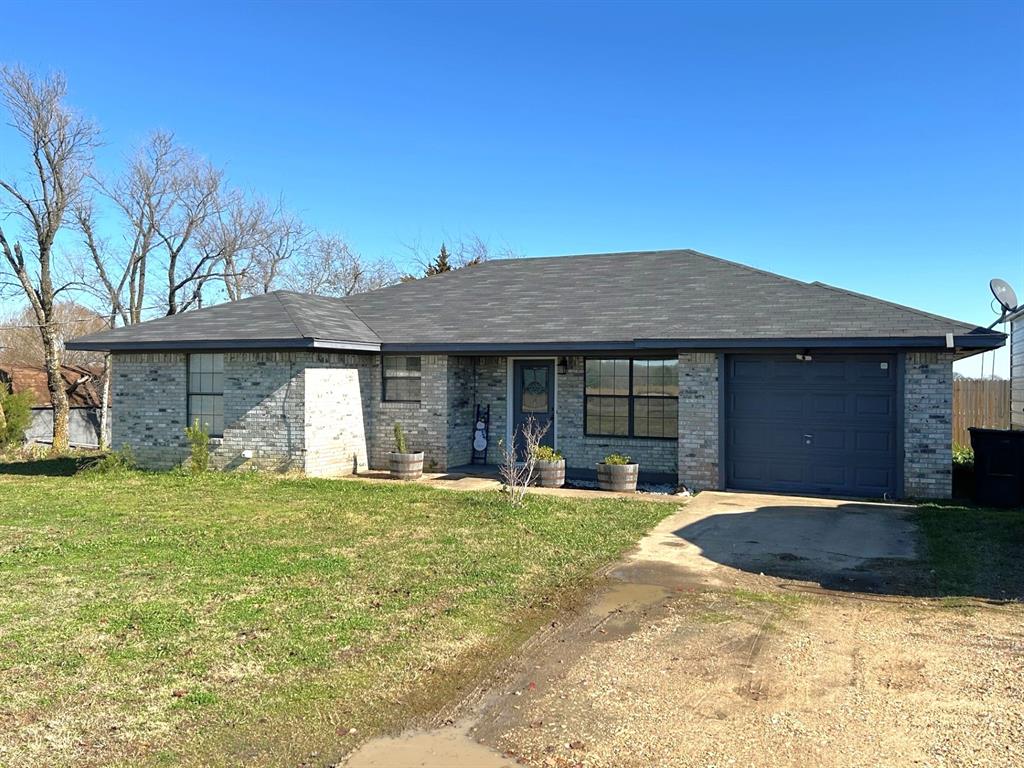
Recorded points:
627,296
280,319
639,299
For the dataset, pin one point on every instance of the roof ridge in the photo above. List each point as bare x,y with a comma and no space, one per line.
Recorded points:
350,308
748,268
300,328
903,307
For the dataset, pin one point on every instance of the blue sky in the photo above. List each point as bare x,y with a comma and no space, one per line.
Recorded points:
876,146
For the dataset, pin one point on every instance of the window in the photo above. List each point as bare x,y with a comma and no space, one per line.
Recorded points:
632,398
206,391
402,377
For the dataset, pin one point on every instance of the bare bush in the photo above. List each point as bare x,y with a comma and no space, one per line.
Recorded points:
518,475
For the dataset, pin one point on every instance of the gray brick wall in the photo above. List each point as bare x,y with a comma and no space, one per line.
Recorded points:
491,376
698,420
264,400
149,414
927,425
461,409
582,452
425,423
264,406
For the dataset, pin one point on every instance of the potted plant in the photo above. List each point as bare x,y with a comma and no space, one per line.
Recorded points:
405,465
617,473
550,466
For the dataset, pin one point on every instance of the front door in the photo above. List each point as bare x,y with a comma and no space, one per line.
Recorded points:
533,397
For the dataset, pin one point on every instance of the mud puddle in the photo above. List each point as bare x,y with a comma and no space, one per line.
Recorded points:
626,597
439,748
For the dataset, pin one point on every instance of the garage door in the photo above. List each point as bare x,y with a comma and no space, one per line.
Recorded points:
824,426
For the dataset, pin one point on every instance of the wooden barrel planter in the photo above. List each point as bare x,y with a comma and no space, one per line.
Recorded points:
551,474
406,466
617,477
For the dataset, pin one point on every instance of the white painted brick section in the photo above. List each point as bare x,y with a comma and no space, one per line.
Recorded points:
928,425
334,425
698,420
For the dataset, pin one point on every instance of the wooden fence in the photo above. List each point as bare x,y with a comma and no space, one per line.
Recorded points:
979,403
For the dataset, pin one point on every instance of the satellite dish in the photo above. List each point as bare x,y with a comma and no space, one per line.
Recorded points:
1004,294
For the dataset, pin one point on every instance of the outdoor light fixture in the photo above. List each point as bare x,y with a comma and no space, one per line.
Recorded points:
804,357
563,365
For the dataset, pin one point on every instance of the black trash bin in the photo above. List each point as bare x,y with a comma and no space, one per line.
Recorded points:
998,466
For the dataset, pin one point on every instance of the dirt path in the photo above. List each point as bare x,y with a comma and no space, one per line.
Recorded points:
718,678
684,661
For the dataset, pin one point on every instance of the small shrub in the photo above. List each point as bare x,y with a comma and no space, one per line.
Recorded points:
617,458
17,412
35,452
400,446
199,439
963,456
546,453
114,463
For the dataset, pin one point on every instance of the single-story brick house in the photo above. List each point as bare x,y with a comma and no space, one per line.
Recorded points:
710,372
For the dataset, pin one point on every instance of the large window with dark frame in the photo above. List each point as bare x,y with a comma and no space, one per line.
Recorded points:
402,379
206,391
632,398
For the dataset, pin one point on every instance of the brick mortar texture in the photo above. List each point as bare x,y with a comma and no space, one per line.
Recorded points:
425,423
334,423
928,425
264,406
698,420
582,452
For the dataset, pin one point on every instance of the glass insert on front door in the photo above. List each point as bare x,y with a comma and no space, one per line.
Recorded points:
535,390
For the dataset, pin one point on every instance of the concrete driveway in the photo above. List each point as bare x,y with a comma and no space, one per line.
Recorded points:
839,544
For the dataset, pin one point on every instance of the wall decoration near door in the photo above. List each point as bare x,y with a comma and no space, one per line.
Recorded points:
481,427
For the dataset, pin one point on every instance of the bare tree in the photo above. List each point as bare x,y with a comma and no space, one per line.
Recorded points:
61,144
261,244
191,255
519,460
21,343
465,251
151,202
330,268
144,197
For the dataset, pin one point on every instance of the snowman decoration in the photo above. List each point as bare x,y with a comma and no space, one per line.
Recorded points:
480,437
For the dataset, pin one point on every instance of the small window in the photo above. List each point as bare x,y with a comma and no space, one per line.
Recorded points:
206,391
402,378
632,398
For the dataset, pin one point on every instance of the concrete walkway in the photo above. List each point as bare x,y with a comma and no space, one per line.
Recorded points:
487,480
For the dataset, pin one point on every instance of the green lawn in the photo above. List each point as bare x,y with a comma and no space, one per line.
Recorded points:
974,551
160,619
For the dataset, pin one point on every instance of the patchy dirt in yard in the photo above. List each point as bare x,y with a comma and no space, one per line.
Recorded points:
690,656
743,677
